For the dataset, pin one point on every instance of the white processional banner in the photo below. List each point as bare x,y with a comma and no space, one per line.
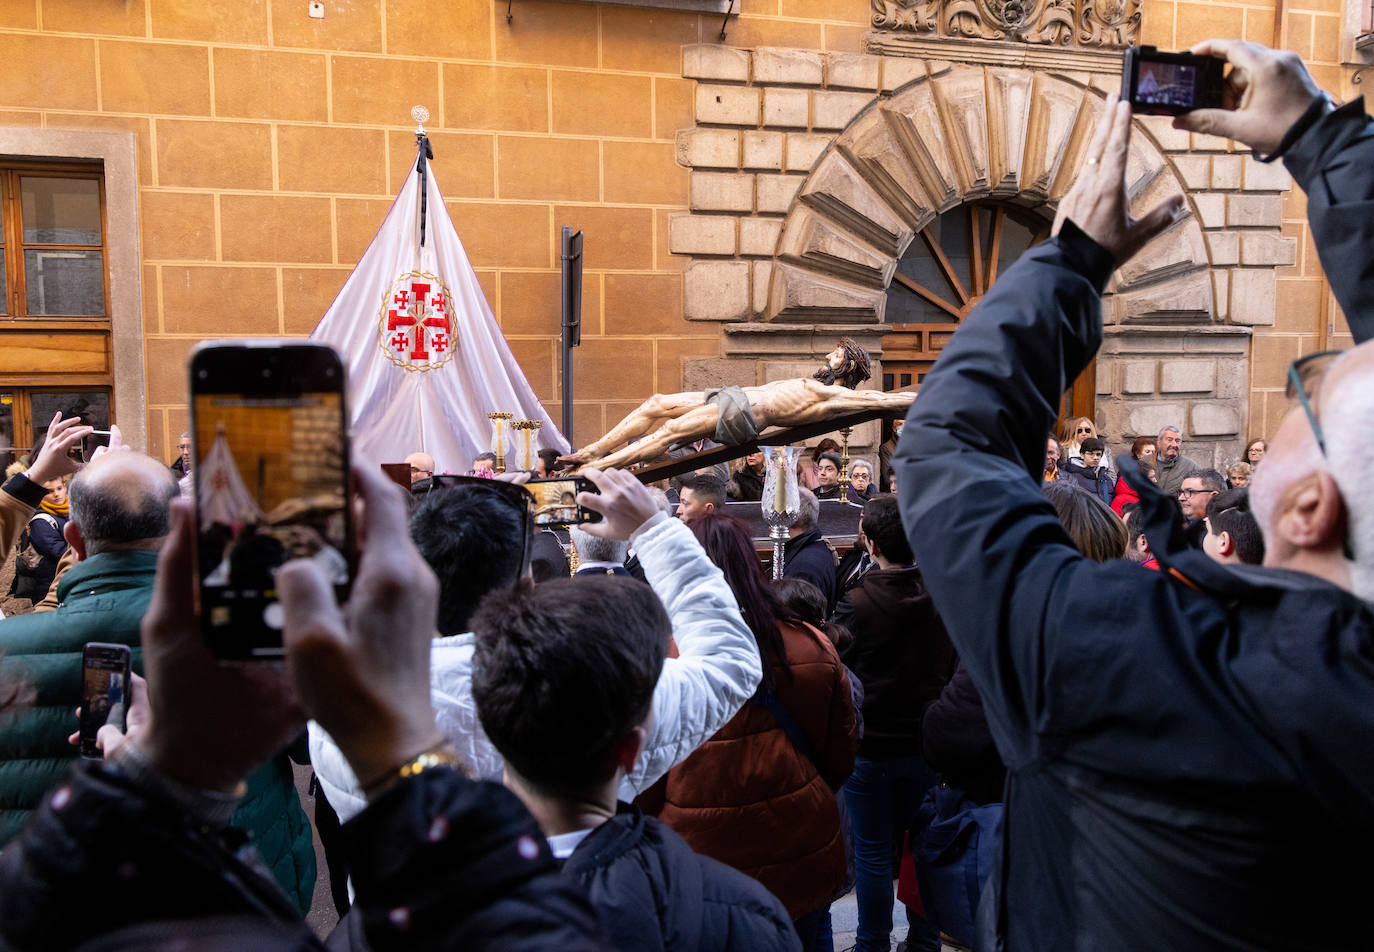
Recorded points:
426,359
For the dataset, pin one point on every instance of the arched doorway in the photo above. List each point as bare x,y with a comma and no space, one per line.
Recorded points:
943,274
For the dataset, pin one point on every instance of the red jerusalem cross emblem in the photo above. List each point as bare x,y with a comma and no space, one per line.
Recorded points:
415,329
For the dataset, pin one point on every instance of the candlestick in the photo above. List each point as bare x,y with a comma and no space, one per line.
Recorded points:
498,438
527,429
781,501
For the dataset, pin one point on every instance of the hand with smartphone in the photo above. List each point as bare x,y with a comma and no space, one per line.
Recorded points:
106,693
624,504
270,442
1265,94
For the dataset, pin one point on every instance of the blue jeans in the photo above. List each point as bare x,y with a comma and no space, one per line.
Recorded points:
882,797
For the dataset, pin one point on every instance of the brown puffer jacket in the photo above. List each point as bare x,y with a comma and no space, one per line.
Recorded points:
749,798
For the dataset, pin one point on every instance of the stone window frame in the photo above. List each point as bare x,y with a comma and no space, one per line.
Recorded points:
1357,33
117,152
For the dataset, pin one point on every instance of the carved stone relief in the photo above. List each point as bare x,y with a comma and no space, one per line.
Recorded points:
1087,23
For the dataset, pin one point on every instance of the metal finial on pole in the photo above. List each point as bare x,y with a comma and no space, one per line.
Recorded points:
421,115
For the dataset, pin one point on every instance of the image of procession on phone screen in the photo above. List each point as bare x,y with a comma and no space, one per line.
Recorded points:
1167,84
555,501
270,487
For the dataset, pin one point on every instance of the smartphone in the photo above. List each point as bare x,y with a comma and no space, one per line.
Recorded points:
269,432
555,501
1168,84
104,691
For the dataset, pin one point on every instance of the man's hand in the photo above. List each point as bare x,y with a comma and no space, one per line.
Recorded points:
53,460
624,502
1097,203
210,724
364,673
1266,92
116,444
110,738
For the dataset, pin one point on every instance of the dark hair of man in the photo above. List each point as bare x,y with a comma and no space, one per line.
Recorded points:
1095,530
728,544
550,458
1091,445
1212,481
1138,445
826,445
482,456
471,539
706,488
563,670
808,602
1230,512
832,457
882,523
120,514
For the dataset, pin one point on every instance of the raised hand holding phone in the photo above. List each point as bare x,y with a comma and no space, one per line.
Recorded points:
1267,92
625,504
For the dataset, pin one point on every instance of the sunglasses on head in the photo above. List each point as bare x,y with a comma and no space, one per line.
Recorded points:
517,497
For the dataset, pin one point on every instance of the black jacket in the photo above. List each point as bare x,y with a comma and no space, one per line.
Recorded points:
900,653
1192,769
748,485
439,862
807,556
1090,480
957,744
654,894
1333,163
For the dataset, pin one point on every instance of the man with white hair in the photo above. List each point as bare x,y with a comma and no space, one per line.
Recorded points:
1171,466
1195,773
597,555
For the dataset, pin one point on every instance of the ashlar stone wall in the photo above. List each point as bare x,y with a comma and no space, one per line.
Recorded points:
811,173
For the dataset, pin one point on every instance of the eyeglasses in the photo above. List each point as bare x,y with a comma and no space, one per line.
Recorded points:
1190,493
517,497
1085,429
1304,374
416,469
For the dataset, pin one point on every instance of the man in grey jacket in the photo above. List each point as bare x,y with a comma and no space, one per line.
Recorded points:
473,545
1171,466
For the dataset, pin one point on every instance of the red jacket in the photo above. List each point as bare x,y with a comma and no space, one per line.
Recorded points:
1123,496
749,798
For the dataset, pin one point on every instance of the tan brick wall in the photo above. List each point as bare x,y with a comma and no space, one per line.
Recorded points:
270,145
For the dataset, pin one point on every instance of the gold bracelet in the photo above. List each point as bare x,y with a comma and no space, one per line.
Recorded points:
430,759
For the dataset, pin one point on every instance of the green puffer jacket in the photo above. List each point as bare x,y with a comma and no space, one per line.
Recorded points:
103,599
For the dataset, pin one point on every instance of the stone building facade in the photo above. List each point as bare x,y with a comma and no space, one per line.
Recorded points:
734,194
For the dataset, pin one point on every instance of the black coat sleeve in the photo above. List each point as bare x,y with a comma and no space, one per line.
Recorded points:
1333,162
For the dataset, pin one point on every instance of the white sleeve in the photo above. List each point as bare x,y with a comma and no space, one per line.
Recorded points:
340,787
717,668
455,714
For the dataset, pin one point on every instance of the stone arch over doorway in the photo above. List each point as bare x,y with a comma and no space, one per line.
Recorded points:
811,172
962,134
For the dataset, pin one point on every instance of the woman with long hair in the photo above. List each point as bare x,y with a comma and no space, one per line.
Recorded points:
760,794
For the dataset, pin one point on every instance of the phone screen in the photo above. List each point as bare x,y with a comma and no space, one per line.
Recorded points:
555,501
104,692
271,485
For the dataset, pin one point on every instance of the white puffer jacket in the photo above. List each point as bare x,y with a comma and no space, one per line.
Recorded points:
716,671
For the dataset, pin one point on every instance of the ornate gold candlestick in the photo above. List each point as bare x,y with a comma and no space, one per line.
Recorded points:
527,430
844,464
498,438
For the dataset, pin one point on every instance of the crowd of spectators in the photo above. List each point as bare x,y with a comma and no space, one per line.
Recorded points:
990,699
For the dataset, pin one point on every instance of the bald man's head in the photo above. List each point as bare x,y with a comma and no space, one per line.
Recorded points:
121,501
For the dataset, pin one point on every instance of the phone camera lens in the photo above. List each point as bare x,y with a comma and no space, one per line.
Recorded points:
266,372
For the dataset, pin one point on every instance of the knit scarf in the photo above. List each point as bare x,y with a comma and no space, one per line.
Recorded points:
52,510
